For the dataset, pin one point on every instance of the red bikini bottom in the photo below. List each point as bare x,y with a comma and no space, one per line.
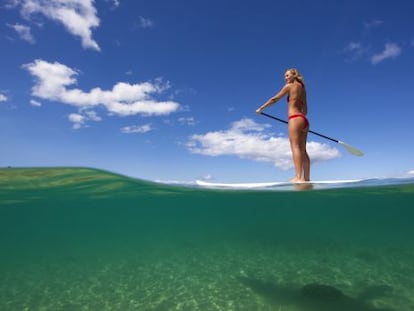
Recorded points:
299,115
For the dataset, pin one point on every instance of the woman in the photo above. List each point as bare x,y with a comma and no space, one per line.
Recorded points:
298,124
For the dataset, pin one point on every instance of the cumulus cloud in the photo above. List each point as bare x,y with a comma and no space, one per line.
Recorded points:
250,140
136,129
391,50
79,119
54,81
24,32
79,17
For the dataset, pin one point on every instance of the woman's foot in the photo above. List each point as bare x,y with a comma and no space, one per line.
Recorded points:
296,180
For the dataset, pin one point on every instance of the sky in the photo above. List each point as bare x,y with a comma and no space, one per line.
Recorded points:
167,90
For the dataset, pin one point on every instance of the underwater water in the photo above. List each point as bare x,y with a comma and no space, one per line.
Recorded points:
84,239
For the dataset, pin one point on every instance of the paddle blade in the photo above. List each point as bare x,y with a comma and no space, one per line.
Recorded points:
351,149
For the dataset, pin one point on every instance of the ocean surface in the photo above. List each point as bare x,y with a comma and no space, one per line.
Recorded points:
86,239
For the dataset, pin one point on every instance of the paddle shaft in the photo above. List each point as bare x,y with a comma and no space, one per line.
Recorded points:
283,121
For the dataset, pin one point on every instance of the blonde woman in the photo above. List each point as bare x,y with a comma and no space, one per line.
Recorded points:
298,125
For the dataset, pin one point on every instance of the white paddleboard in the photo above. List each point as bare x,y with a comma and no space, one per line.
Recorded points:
207,184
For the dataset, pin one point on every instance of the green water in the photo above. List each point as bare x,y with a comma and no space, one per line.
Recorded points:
82,239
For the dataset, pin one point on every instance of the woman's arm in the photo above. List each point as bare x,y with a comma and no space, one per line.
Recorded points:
273,99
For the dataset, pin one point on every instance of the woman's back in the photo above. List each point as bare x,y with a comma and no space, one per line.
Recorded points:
297,98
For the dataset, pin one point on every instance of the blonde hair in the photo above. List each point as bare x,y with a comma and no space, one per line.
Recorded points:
296,74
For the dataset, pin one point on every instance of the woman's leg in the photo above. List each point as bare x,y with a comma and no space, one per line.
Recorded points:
305,156
297,138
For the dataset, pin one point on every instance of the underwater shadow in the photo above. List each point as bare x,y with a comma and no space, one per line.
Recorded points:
316,297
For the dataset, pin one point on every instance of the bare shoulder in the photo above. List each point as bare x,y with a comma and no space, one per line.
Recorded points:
286,88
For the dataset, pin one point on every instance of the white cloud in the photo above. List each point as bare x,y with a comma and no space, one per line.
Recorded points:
354,50
24,32
92,115
352,46
411,173
3,98
79,17
247,139
35,103
187,121
53,81
136,129
79,119
144,23
391,50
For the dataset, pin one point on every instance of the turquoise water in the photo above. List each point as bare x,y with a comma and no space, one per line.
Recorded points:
83,239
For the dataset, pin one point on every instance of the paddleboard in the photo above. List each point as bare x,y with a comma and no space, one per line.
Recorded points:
207,184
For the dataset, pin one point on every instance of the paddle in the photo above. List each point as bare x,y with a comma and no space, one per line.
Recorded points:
351,149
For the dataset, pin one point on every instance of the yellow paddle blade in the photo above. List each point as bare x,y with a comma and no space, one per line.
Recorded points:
351,149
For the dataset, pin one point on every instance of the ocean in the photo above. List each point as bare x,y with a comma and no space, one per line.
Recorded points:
87,239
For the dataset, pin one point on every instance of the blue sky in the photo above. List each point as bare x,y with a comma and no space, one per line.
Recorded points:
167,90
